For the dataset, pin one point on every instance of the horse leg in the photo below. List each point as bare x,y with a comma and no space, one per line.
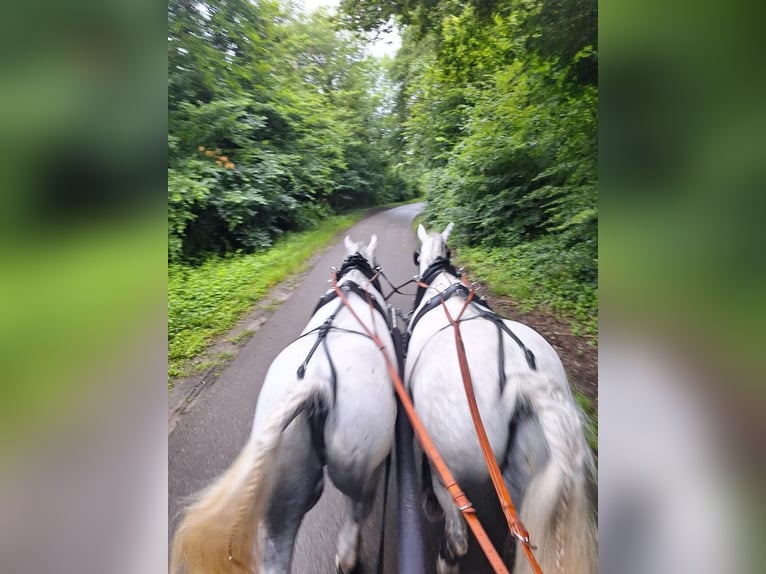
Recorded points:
297,487
431,507
360,504
455,541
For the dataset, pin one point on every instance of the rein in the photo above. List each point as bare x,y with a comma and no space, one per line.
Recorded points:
395,288
515,526
459,497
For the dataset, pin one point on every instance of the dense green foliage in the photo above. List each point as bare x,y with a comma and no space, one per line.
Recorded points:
497,125
276,120
525,273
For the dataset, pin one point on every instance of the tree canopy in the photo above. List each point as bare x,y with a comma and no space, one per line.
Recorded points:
496,110
278,118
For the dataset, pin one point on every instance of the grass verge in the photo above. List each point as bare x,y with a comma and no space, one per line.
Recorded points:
205,301
535,280
591,420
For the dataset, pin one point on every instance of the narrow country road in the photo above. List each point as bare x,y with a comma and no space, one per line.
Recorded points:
208,437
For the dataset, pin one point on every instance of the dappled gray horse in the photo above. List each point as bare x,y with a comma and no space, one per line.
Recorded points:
532,422
327,400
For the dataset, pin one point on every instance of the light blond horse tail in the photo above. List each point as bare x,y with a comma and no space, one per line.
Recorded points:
557,509
219,532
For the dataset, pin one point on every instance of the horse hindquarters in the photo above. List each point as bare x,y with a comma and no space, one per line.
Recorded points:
359,435
297,486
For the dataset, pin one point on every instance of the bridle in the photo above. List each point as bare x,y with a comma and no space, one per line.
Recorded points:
358,262
437,267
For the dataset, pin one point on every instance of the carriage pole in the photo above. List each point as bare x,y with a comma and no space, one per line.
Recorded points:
411,547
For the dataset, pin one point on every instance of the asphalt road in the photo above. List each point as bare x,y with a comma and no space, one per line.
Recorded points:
207,438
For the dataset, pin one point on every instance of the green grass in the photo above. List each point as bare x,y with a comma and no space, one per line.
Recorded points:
591,420
535,278
205,301
217,361
241,337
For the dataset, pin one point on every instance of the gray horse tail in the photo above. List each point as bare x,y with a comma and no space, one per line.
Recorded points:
219,532
557,509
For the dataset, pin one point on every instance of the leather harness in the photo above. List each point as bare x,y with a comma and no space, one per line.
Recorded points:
357,262
465,506
442,265
478,304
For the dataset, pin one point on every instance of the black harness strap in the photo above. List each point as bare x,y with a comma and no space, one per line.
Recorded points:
439,265
501,328
498,321
356,289
395,288
480,305
435,301
321,332
327,326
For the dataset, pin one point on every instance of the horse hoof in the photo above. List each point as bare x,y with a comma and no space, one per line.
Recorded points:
443,567
432,509
340,568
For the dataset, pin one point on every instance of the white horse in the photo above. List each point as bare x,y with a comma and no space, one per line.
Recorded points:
533,424
338,411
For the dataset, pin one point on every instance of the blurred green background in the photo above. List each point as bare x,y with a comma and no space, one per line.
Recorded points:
82,201
682,170
681,263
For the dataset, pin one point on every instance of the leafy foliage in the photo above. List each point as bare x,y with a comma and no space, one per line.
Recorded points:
531,274
497,125
276,121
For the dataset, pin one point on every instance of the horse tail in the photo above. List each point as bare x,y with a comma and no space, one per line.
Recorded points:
557,508
219,532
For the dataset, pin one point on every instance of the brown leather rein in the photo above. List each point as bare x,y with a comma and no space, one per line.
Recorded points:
515,527
461,500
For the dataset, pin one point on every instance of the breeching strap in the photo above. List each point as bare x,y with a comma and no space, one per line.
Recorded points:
461,500
515,526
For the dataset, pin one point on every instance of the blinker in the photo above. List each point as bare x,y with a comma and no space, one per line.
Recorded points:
416,257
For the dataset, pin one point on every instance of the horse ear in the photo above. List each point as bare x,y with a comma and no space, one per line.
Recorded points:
422,235
373,243
447,231
349,244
